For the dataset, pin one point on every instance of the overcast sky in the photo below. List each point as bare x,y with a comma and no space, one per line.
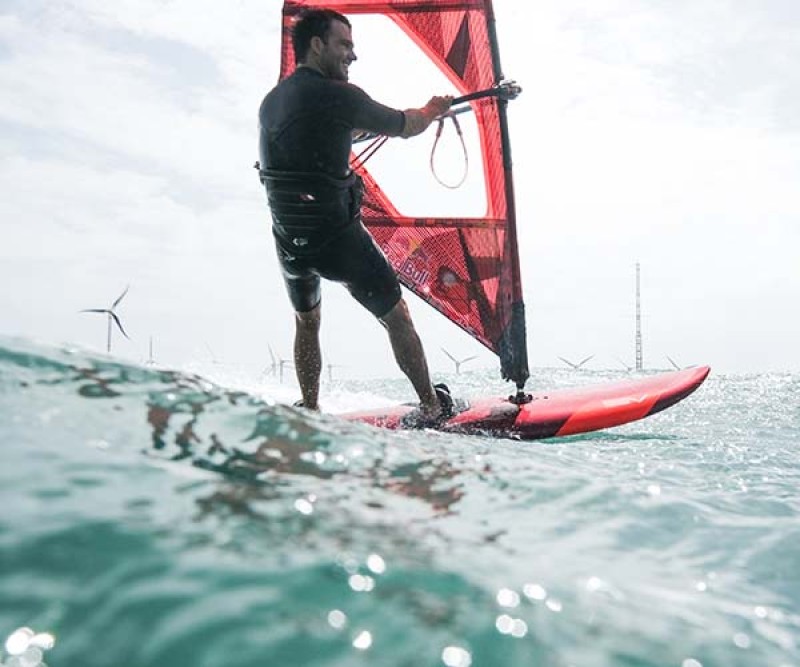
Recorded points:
660,132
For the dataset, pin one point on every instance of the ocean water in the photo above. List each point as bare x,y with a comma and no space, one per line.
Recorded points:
156,518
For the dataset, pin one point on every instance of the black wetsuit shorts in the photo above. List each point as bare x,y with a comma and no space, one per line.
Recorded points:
352,259
318,234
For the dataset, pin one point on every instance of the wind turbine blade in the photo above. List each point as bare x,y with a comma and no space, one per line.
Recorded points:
120,297
568,362
118,323
674,365
625,364
474,356
95,310
591,356
450,356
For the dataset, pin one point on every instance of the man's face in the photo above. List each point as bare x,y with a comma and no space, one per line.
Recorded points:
337,52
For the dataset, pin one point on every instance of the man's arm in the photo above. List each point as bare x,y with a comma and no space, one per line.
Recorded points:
418,120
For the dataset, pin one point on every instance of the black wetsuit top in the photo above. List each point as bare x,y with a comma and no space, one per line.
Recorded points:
307,121
306,128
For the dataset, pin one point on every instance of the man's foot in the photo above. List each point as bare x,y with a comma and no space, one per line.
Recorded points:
422,418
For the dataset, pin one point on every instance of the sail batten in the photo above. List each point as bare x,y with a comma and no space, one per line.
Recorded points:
461,223
467,268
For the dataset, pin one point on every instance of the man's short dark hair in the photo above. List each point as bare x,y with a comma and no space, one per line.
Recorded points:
313,23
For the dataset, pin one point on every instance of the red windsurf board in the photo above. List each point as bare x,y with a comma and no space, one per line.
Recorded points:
559,412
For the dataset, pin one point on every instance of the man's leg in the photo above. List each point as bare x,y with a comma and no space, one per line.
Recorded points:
307,355
410,356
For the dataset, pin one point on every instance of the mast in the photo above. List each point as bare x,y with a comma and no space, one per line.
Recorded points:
513,346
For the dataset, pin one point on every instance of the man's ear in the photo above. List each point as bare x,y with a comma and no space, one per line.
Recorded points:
317,44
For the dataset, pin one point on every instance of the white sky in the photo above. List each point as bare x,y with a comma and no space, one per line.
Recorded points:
660,131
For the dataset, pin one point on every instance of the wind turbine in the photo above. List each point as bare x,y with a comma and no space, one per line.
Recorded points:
579,364
330,368
276,365
112,317
211,354
281,363
272,369
458,362
150,360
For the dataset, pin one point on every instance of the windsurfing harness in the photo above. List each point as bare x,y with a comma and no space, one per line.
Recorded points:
467,268
310,210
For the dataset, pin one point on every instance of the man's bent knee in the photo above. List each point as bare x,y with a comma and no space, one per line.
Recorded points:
398,317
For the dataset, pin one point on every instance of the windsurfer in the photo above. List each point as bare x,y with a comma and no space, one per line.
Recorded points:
307,123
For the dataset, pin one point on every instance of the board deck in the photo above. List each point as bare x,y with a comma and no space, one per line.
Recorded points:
558,412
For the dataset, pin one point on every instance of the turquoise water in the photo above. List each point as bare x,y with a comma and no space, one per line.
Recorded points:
154,518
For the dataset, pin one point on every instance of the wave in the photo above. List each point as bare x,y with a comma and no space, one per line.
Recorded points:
154,516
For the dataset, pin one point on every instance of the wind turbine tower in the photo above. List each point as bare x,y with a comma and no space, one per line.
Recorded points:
150,360
639,362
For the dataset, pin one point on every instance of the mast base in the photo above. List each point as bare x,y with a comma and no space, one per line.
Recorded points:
520,398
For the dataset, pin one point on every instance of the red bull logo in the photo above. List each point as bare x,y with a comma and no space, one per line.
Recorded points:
415,263
414,273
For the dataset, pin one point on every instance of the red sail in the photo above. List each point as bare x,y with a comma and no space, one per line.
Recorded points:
465,267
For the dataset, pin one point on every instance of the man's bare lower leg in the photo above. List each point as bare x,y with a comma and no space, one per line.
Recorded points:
410,356
308,356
